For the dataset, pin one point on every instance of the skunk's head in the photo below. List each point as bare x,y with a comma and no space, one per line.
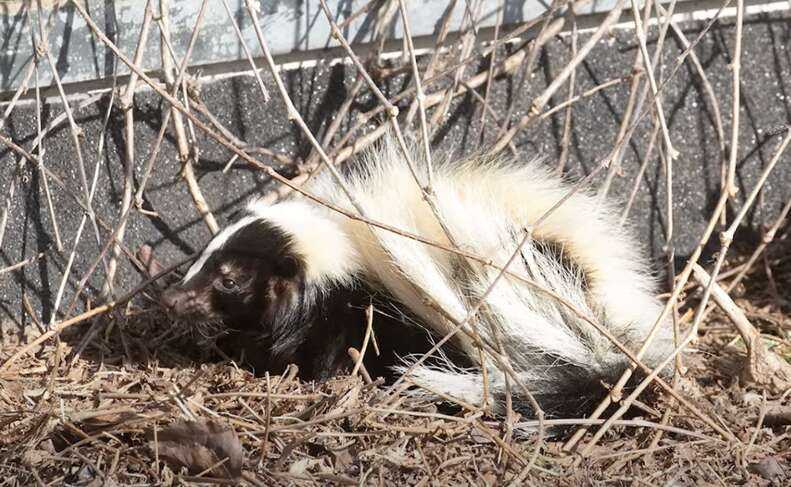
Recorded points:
263,272
247,276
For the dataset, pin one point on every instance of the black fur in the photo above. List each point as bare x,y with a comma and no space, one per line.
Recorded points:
277,317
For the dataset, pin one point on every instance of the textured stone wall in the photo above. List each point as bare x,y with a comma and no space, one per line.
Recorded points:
172,226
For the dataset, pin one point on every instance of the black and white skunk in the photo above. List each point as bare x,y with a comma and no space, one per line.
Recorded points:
297,276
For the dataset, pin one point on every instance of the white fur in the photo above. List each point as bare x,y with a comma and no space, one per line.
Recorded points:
486,205
216,244
329,256
327,251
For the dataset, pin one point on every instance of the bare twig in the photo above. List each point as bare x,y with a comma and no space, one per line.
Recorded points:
185,154
254,68
539,102
127,105
725,238
762,366
566,138
40,151
736,66
369,321
56,328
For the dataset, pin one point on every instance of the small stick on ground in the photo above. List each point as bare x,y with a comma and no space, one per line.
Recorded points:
358,365
762,366
369,321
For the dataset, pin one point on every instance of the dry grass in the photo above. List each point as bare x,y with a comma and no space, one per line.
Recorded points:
103,418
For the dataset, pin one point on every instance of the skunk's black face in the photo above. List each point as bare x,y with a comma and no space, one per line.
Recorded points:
247,278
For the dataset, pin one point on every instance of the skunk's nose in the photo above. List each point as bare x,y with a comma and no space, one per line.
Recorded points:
173,299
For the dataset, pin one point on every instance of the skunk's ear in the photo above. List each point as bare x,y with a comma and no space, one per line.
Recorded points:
282,301
282,288
284,316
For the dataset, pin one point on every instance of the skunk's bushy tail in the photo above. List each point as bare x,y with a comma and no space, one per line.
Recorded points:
580,263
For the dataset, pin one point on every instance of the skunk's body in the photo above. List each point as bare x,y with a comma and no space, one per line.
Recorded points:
303,274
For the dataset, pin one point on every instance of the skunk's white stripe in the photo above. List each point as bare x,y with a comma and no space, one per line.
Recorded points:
216,244
328,255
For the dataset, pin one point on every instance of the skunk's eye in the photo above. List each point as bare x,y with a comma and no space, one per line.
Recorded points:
228,284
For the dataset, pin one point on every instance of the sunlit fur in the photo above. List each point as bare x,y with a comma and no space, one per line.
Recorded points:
486,204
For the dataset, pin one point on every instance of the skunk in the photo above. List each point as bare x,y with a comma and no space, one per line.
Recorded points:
295,278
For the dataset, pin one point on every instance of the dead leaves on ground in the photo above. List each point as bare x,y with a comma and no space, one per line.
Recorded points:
203,447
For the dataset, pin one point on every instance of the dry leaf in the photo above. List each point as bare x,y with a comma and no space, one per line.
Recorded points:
303,466
343,459
34,457
348,401
199,446
778,416
769,469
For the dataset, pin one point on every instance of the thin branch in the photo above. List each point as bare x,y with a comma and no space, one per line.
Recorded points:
539,102
56,328
736,66
127,105
725,238
253,67
185,154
